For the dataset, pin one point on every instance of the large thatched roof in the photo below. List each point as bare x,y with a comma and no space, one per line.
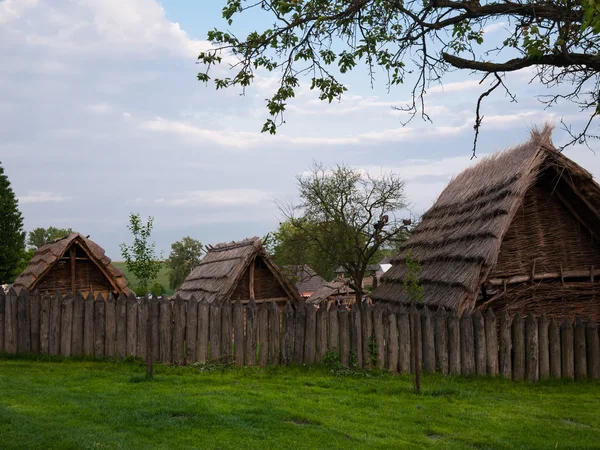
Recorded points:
458,241
47,255
224,266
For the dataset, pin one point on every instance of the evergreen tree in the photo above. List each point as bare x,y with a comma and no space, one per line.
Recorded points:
12,236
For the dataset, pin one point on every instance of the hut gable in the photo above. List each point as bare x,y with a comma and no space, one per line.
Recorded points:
73,263
516,215
235,270
307,281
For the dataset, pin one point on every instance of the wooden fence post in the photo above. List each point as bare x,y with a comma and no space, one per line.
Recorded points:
580,351
544,358
378,333
344,323
99,326
263,335
491,342
111,326
154,314
392,339
142,328
505,346
275,333
366,322
66,324
191,330
10,322
518,342
480,344
566,341
554,347
287,347
251,333
441,341
238,333
179,326
428,341
132,320
403,341
88,325
44,323
532,350
322,319
309,342
24,323
55,320
226,330
2,319
215,330
77,333
299,333
467,344
164,333
121,315
203,330
333,329
592,341
356,336
35,323
454,363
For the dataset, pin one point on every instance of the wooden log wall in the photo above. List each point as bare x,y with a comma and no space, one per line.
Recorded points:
181,332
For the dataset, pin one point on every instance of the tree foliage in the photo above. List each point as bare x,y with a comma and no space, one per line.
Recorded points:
185,255
417,42
41,236
12,236
347,217
140,257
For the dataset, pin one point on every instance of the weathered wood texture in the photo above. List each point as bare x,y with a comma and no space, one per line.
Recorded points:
505,358
299,333
518,342
344,323
491,342
238,333
203,330
592,341
454,362
77,332
251,334
24,323
467,345
441,341
263,335
178,331
287,342
544,356
274,333
310,336
428,341
99,326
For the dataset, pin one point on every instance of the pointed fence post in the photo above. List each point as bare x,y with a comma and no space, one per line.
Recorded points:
518,342
356,335
154,314
10,322
566,341
366,322
191,331
441,341
149,336
344,324
287,347
215,330
263,335
467,344
203,330
35,322
178,330
532,350
226,330
2,319
310,336
505,346
428,340
554,346
88,325
544,358
24,323
592,345
378,333
78,317
274,333
165,335
392,339
121,308
333,328
251,333
403,341
491,343
579,350
44,323
132,319
299,333
322,319
99,326
55,321
142,327
454,362
66,324
238,332
480,344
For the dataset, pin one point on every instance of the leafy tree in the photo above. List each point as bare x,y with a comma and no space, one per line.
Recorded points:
415,41
140,257
12,236
347,216
185,255
41,236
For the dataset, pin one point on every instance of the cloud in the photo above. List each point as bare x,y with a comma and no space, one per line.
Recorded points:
43,197
12,9
219,197
457,86
99,108
494,27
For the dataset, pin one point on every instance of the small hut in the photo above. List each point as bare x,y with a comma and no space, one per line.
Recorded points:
336,291
307,281
73,263
241,270
520,231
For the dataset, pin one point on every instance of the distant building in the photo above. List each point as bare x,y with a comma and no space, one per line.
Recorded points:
307,281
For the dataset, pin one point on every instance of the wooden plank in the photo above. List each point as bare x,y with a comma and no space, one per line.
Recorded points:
428,340
467,344
403,342
66,324
78,317
251,278
299,333
226,331
35,322
386,332
344,324
518,342
566,350
579,350
72,266
322,319
55,319
592,345
310,336
263,335
333,329
251,334
154,313
214,332
122,326
99,326
356,336
44,323
24,323
416,346
191,331
544,355
480,344
505,356
274,333
366,319
2,315
378,334
203,330
238,333
165,336
142,328
178,331
454,362
88,325
491,343
554,347
532,350
287,345
111,326
441,341
10,322
132,319
392,339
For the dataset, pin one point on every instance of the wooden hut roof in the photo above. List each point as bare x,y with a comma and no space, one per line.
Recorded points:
47,255
335,287
458,240
222,268
305,278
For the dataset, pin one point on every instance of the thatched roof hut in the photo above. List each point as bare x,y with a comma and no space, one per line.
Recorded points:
307,281
73,263
242,270
519,231
337,289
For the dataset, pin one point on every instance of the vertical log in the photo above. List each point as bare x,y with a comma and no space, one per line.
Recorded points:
164,332
566,341
111,326
274,333
356,336
44,323
122,326
251,333
428,340
378,333
24,323
580,351
178,330
467,344
386,332
132,319
66,324
322,319
2,320
454,363
215,330
299,333
309,341
77,333
287,346
263,335
203,330
226,330
403,341
480,344
142,327
505,346
491,343
99,326
88,325
154,313
366,320
441,341
35,322
532,350
55,319
554,346
392,339
592,345
518,342
191,331
416,347
10,322
544,355
238,333
344,323
333,328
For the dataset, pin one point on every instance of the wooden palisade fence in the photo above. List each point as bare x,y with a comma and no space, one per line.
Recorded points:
184,332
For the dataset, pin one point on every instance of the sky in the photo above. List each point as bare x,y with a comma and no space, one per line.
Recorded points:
102,116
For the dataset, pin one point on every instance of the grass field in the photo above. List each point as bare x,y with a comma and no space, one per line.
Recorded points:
75,404
163,276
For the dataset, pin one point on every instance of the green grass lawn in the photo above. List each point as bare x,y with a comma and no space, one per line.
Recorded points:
74,404
163,276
